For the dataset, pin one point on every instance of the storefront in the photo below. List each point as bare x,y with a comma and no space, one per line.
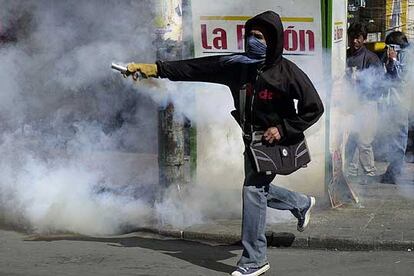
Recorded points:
315,33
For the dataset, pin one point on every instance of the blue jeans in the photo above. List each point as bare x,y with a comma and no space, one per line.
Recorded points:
396,136
258,193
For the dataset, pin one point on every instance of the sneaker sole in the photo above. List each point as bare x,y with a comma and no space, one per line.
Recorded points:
262,270
307,215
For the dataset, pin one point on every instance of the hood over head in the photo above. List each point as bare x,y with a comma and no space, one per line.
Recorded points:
270,24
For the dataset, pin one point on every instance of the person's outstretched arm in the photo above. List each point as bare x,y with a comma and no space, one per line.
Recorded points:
212,69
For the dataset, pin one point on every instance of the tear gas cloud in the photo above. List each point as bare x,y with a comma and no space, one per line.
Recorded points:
76,142
79,142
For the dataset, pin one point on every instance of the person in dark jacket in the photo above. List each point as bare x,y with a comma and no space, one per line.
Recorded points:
395,105
363,66
272,84
357,55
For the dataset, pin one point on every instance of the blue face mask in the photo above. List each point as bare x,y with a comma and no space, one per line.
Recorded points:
255,49
255,53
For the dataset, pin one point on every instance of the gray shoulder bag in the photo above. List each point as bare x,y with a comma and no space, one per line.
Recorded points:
272,158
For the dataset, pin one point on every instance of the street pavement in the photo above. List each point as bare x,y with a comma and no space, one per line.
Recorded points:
151,255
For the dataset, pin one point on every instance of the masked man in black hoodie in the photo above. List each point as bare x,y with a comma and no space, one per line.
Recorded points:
260,69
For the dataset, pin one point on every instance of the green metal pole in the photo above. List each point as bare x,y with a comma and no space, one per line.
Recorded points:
327,6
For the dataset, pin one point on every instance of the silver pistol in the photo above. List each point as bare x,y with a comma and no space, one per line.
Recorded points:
119,68
123,70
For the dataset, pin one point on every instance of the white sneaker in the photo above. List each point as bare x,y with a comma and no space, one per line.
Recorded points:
251,271
304,219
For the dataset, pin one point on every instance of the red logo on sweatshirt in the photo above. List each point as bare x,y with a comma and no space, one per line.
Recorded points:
266,95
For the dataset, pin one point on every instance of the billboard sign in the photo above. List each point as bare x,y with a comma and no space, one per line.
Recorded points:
218,28
225,34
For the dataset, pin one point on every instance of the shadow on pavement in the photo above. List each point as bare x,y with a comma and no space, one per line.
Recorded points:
197,253
280,239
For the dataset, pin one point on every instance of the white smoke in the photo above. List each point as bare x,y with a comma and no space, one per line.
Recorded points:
78,142
70,133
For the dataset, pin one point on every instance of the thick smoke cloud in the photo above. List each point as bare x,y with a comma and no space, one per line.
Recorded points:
77,144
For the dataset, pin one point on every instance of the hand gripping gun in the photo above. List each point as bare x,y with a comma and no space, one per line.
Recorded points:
124,71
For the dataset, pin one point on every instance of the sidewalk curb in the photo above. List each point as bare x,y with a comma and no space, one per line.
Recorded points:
274,239
286,239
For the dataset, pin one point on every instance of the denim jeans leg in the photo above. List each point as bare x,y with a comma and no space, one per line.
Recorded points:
398,141
284,199
258,193
254,217
253,227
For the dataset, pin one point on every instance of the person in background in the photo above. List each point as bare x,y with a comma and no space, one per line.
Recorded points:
362,66
395,106
271,83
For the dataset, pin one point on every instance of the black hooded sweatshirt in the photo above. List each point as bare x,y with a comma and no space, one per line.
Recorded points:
272,85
